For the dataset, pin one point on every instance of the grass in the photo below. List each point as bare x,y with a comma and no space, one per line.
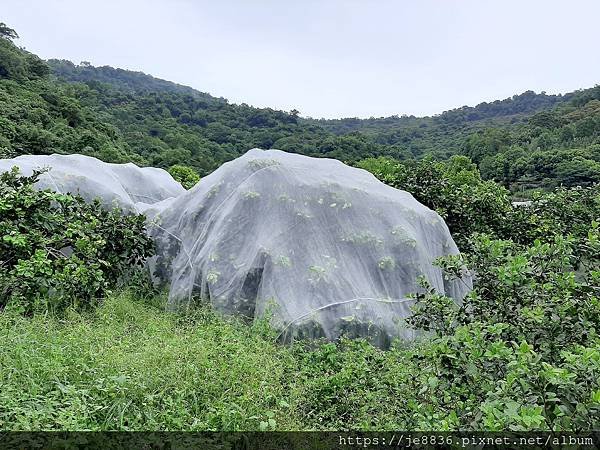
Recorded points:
129,365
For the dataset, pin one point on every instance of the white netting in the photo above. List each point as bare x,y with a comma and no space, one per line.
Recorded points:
125,185
327,248
331,247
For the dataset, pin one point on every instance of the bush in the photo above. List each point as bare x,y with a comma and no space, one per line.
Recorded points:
185,175
454,189
522,351
470,205
56,249
563,211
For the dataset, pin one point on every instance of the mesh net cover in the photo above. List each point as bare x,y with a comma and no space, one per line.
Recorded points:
125,185
325,248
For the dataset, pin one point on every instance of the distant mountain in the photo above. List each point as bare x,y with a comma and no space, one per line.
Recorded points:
441,136
120,115
133,81
513,108
444,134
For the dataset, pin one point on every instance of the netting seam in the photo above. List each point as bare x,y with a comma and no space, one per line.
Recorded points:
340,303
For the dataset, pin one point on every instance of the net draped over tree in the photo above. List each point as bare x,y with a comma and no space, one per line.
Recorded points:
124,185
327,249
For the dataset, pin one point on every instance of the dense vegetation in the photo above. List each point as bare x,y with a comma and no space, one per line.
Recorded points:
526,142
522,352
444,134
558,147
57,250
130,366
469,204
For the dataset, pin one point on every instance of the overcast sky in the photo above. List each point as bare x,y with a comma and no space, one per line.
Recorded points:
329,58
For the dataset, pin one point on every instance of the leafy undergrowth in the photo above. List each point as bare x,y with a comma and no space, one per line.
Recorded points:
131,366
128,365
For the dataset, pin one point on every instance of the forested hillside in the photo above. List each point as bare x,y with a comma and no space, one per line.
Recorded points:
527,141
554,147
444,134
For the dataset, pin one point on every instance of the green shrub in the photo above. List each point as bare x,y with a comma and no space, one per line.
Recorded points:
522,352
56,249
454,189
185,175
563,211
470,205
